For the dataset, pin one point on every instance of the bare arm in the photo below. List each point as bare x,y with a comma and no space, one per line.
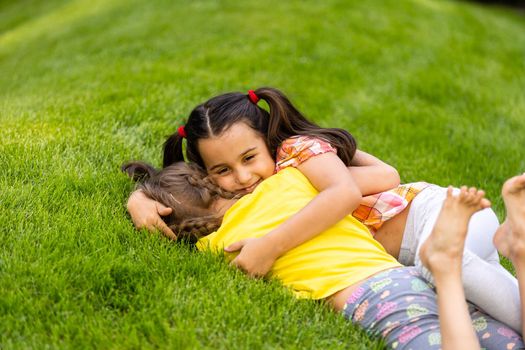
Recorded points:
329,175
371,174
367,175
146,213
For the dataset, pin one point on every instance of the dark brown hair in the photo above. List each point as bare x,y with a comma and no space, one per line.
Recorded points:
281,122
186,190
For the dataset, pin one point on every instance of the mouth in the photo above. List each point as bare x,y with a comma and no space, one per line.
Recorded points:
250,188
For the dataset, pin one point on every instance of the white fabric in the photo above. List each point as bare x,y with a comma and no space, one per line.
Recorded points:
487,284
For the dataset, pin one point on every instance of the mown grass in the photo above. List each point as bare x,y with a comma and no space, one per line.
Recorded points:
433,87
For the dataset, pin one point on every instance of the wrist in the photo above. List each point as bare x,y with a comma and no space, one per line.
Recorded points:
276,246
135,200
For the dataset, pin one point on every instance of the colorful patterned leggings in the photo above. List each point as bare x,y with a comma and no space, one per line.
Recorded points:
401,307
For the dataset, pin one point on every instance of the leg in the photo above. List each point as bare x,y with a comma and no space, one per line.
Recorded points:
400,306
511,242
442,253
481,229
478,276
480,263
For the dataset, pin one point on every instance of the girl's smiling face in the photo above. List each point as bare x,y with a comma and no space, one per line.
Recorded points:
238,159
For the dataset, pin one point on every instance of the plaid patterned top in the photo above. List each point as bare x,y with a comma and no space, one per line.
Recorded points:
296,149
375,209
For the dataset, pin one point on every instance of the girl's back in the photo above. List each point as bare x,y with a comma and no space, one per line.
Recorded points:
337,258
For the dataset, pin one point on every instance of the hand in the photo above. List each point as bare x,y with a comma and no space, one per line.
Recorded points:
146,214
256,256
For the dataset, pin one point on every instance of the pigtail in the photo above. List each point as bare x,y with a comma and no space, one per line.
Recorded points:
286,121
185,188
138,171
172,150
191,230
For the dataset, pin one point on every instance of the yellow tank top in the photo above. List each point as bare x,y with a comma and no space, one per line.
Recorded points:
339,257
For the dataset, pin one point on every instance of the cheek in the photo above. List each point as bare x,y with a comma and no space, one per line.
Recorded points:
224,182
269,168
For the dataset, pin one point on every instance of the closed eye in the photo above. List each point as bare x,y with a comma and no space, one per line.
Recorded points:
221,171
250,157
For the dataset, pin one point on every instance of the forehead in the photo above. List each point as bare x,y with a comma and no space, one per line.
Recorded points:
231,144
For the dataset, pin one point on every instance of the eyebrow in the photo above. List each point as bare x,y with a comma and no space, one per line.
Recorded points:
242,154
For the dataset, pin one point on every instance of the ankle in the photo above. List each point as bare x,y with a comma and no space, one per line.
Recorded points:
444,263
517,253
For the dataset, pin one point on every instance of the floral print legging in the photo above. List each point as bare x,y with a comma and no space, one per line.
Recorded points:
400,306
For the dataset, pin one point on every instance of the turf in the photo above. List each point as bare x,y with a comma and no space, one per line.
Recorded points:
435,88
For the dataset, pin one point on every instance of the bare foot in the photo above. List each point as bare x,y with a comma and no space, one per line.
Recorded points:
443,249
502,239
510,240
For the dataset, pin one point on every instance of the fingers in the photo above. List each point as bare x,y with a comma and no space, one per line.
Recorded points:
159,224
235,247
166,231
240,265
162,209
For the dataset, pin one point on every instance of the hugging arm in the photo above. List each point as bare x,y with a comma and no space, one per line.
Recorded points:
371,174
338,196
340,192
146,213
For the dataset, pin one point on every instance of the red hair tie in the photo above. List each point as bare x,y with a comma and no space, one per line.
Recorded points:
253,97
181,131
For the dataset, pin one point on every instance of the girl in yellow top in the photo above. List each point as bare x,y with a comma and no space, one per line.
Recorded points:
343,264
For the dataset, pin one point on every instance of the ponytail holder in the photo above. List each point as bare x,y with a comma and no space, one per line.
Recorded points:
181,131
253,97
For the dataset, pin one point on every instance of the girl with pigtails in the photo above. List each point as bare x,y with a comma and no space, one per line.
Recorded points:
239,144
255,144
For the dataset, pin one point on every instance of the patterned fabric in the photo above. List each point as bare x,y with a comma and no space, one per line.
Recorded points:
375,209
297,149
401,307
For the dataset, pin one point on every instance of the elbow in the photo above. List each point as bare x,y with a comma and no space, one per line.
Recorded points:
393,176
351,197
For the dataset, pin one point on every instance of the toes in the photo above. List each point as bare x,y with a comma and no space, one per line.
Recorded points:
463,193
472,197
481,200
514,185
449,191
520,180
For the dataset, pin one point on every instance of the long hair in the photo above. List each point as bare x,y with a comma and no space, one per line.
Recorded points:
186,190
281,122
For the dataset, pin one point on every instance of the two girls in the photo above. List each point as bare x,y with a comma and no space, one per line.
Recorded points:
343,264
234,139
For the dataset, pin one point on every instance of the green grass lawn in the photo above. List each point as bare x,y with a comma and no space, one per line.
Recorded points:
435,88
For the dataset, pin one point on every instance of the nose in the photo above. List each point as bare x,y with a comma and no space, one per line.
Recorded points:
243,176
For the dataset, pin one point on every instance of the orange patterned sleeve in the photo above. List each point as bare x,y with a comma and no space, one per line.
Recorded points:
297,149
